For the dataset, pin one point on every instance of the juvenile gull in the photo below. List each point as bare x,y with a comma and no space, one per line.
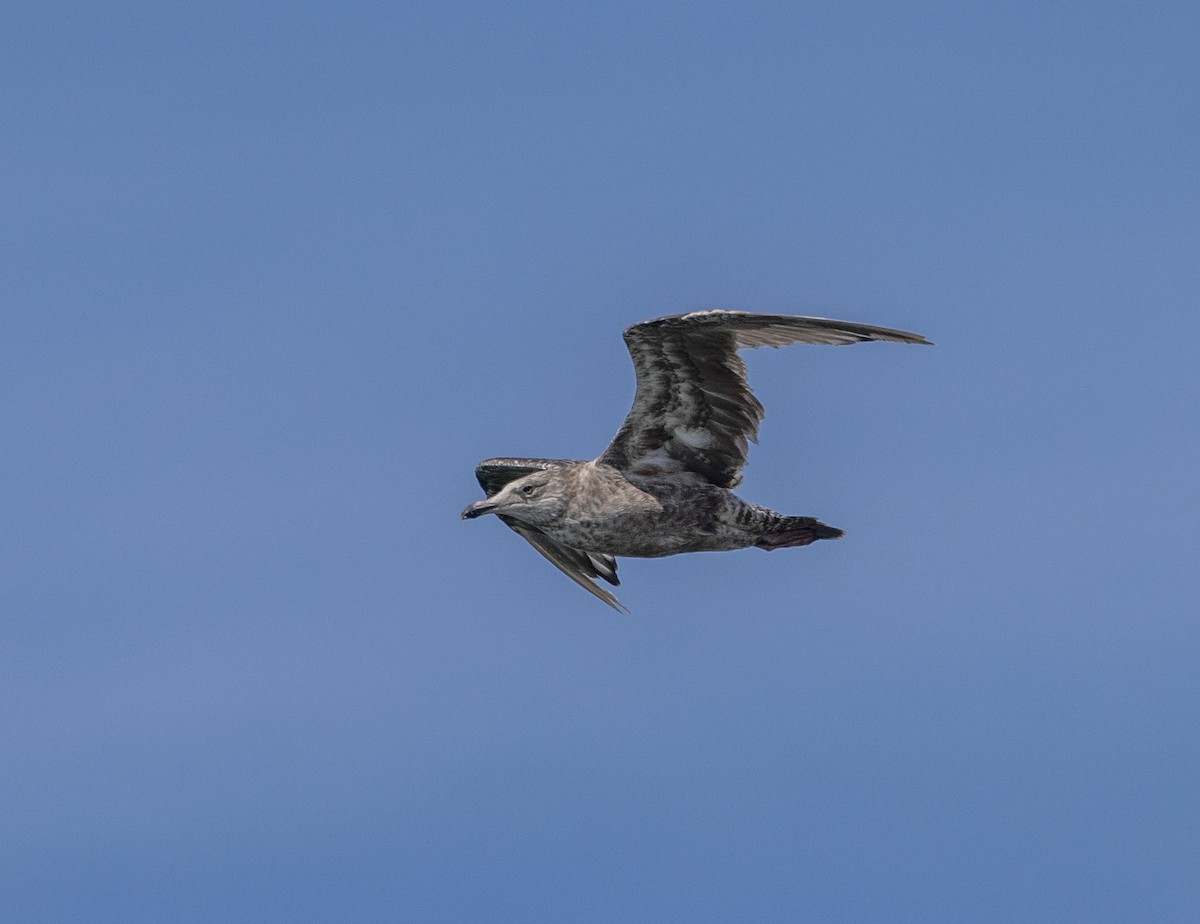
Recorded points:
663,485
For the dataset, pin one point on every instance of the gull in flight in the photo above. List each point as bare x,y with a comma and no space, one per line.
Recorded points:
662,486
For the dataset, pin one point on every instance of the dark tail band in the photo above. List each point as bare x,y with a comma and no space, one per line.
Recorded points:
791,532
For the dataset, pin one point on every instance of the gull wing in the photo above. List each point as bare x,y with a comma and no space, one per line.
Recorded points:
693,411
579,566
576,565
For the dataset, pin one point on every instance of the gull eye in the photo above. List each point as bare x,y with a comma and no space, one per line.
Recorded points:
528,489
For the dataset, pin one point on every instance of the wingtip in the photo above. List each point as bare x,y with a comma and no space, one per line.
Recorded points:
611,600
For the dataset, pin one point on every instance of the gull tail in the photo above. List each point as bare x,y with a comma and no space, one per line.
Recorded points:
789,532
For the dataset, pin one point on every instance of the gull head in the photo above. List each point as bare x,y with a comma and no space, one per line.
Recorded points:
538,499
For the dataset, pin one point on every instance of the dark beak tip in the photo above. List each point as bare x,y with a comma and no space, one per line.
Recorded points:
477,509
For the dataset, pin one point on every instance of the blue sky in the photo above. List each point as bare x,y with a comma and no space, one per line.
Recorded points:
276,276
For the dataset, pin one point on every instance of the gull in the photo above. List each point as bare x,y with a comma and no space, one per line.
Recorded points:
662,487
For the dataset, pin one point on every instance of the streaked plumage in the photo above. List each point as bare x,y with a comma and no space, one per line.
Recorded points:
662,485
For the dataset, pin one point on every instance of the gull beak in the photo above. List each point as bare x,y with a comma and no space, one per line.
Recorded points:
477,509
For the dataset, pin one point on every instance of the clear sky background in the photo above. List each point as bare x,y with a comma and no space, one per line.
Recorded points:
276,276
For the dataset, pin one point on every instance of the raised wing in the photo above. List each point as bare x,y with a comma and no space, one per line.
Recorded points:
693,410
579,566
